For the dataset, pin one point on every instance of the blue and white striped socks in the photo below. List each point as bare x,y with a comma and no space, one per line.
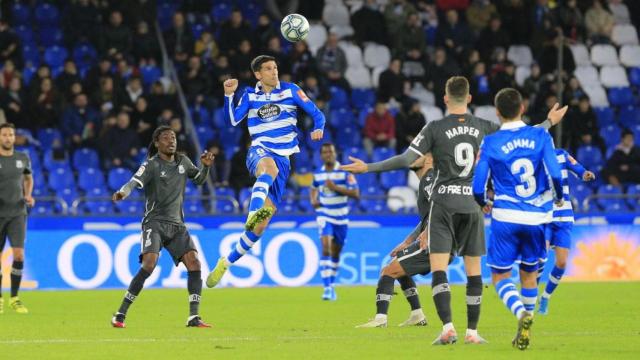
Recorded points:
325,270
247,239
554,279
510,297
529,298
260,191
333,267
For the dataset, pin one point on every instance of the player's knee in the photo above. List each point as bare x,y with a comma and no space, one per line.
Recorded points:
561,262
191,261
18,257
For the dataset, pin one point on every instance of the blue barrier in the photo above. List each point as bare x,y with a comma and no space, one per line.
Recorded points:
108,259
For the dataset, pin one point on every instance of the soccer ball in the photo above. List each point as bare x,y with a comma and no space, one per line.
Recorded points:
294,27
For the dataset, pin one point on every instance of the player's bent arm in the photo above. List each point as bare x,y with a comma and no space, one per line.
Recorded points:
575,167
201,177
309,107
545,124
127,188
553,168
401,161
313,197
480,179
235,115
352,193
27,185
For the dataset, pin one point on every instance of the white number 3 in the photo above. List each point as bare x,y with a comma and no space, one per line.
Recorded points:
528,186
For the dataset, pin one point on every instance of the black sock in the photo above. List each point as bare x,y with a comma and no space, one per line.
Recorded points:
134,289
194,285
383,294
16,276
0,281
410,291
474,299
441,295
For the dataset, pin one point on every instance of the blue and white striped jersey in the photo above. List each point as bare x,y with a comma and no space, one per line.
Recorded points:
272,117
519,159
567,163
334,207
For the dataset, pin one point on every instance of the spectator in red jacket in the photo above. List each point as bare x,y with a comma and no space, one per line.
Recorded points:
379,128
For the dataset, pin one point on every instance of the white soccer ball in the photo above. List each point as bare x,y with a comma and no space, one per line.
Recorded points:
294,27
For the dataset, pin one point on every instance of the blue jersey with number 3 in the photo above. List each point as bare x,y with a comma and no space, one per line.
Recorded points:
519,159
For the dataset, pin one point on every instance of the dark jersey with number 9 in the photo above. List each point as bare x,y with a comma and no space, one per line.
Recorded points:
454,142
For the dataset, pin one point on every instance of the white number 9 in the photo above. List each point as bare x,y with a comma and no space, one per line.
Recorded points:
464,157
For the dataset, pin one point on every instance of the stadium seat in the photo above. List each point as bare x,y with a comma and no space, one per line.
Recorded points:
363,98
393,178
353,53
317,37
251,11
348,136
343,31
31,55
195,207
375,75
431,113
97,202
611,135
372,200
424,96
611,204
165,15
580,55
401,198
224,200
197,29
376,55
624,34
587,75
367,180
220,12
341,117
244,197
50,37
90,178
630,55
602,55
20,14
150,74
118,177
54,159
339,98
487,112
230,136
579,193
33,154
356,152
205,133
85,158
68,194
590,156
358,77
382,153
636,133
130,207
84,55
520,55
201,115
634,197
25,33
335,14
613,76
620,96
61,178
522,73
605,115
302,161
629,116
47,15
304,201
289,204
55,56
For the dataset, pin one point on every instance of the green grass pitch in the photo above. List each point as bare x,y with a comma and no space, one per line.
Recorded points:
587,321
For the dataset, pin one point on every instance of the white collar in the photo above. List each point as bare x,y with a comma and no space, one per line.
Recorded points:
259,86
335,167
511,125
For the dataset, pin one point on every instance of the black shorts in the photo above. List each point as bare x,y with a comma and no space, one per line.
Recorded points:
414,260
173,237
15,229
462,234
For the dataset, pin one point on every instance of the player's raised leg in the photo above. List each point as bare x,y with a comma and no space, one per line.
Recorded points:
562,254
266,172
149,261
194,286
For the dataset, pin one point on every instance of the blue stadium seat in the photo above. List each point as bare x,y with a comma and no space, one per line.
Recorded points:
223,202
244,197
142,155
205,134
634,203
118,177
68,194
25,33
611,135
348,136
218,118
339,98
84,55
304,202
61,178
49,138
251,12
54,160
197,29
47,15
150,74
372,200
590,157
303,162
89,178
580,192
620,96
20,14
55,56
356,152
610,150
85,158
201,116
367,180
605,116
50,37
634,76
636,133
194,207
629,116
165,14
340,118
362,116
611,204
230,136
97,202
382,153
31,55
363,98
393,178
33,154
220,12
191,189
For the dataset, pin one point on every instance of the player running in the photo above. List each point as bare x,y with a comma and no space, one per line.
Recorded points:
163,177
271,112
330,192
408,258
519,160
16,187
456,224
558,232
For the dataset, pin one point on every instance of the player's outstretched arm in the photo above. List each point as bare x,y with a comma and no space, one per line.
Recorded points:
554,116
232,114
578,169
138,180
401,161
199,175
310,108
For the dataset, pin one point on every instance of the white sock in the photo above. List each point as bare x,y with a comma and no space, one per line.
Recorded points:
381,317
447,327
417,312
471,332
